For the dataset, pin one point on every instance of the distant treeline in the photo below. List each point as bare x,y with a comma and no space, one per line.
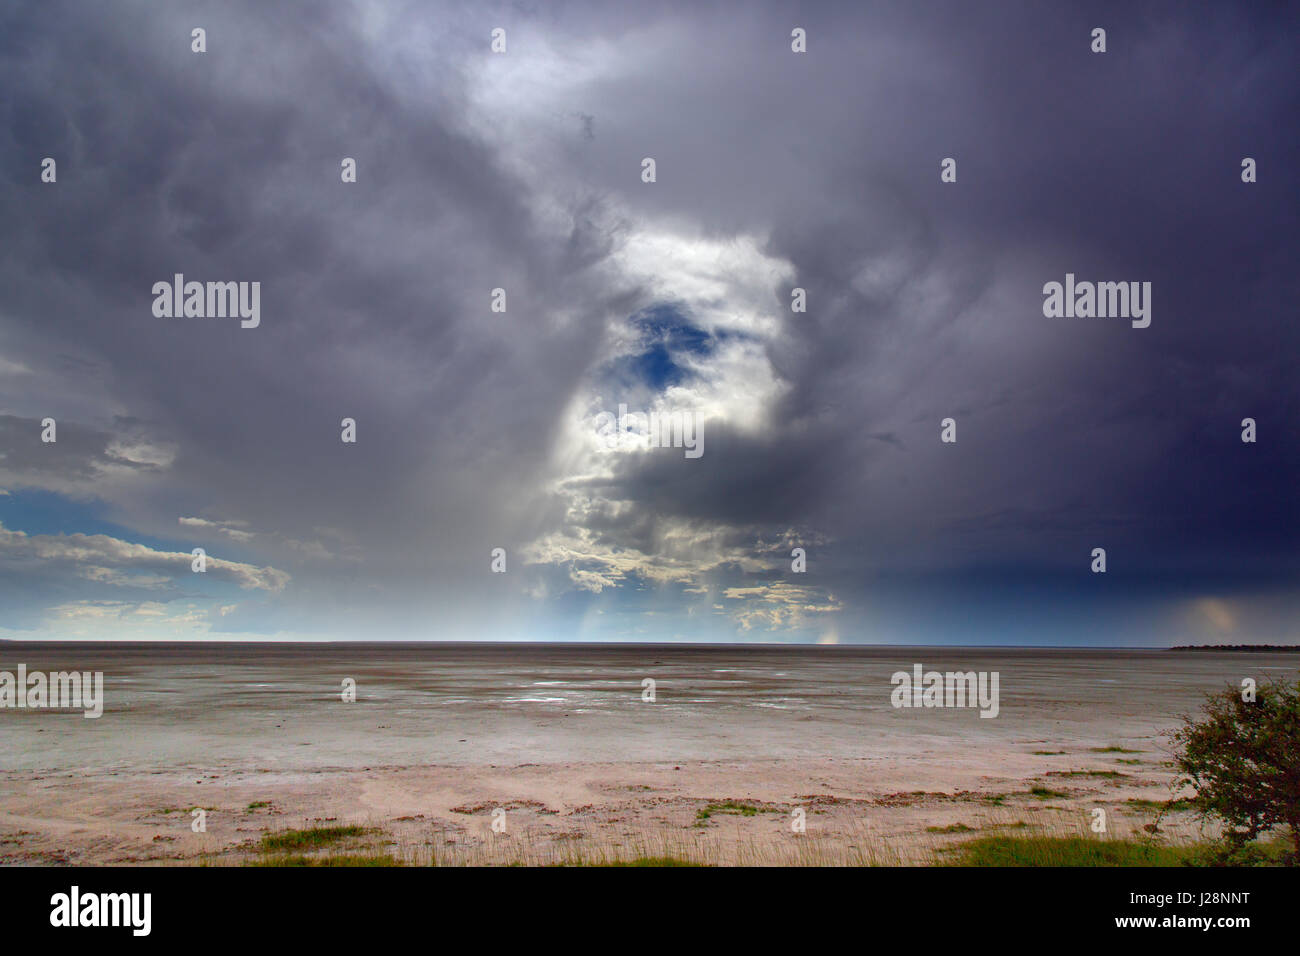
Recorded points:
1292,648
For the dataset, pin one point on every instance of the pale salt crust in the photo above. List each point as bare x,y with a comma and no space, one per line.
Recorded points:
561,739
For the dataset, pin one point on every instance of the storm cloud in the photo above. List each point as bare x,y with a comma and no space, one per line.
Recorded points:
775,170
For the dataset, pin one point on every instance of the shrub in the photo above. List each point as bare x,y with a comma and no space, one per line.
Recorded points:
1243,758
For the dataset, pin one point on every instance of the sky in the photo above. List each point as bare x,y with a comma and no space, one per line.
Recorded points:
522,170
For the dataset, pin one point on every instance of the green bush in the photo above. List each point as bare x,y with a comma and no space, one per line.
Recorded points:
1243,758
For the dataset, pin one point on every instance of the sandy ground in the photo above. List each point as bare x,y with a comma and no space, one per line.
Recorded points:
737,741
873,810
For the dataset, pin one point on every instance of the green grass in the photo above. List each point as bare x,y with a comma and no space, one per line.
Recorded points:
640,861
1066,851
1085,851
1042,793
311,839
1108,774
649,861
951,828
1141,803
655,861
1049,753
732,807
344,859
1113,750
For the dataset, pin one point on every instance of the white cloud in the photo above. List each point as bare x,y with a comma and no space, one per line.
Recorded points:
141,452
105,554
779,605
118,578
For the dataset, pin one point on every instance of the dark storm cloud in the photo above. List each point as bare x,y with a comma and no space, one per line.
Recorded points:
1122,166
77,455
924,298
376,300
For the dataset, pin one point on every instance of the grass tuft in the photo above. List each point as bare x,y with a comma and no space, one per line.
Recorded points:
1066,851
1108,774
1042,793
1141,803
342,859
313,838
731,806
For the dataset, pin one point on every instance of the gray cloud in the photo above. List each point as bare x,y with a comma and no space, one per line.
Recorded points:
775,170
